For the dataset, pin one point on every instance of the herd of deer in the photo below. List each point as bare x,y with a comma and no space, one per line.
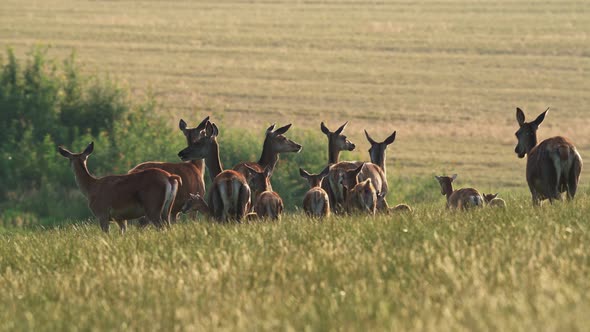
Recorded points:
157,191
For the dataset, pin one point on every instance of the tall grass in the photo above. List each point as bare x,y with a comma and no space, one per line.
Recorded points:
522,268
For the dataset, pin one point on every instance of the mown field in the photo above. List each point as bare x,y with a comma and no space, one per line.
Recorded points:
447,75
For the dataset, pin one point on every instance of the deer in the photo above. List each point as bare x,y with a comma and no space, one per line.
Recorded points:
492,200
316,202
461,199
359,195
377,156
229,194
274,143
268,204
191,172
197,203
553,166
336,143
118,198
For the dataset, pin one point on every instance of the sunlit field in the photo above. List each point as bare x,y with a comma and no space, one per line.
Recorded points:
446,75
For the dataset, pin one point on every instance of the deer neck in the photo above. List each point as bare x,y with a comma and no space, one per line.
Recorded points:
333,154
84,179
269,157
532,145
448,192
212,161
200,163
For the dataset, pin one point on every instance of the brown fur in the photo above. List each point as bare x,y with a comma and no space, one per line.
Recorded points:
316,202
461,199
492,200
149,193
268,204
362,197
191,173
229,195
274,143
553,166
401,208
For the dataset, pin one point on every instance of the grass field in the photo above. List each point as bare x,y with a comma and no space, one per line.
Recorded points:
522,269
447,75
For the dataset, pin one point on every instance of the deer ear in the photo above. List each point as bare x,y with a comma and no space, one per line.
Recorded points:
64,152
270,129
88,149
268,172
540,118
282,130
203,123
519,116
391,138
372,141
339,130
325,129
215,129
453,177
325,171
437,178
359,169
303,173
182,125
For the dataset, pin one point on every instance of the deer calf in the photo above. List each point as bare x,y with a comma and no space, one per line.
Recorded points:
462,199
358,196
268,204
492,200
316,202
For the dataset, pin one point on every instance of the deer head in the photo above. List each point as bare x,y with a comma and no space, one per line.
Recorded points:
488,197
336,142
193,134
349,179
377,150
201,148
276,141
77,158
446,184
527,133
314,180
259,180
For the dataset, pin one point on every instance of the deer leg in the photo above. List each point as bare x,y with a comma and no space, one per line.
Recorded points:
242,203
104,223
122,226
143,222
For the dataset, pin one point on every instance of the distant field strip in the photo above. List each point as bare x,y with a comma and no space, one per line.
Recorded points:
447,75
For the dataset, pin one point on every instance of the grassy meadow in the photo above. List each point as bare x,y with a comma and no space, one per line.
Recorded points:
446,75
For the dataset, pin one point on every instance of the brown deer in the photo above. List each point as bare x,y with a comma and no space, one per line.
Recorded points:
552,167
149,193
229,195
268,204
316,202
462,199
336,143
492,200
191,172
274,143
377,155
359,196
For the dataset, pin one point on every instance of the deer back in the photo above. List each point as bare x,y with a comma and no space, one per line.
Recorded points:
316,202
192,179
465,198
229,196
269,205
363,197
552,166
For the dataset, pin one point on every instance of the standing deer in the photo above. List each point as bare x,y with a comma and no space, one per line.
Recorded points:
268,204
336,143
359,196
192,172
316,202
377,155
274,143
229,195
492,200
462,199
148,193
552,167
